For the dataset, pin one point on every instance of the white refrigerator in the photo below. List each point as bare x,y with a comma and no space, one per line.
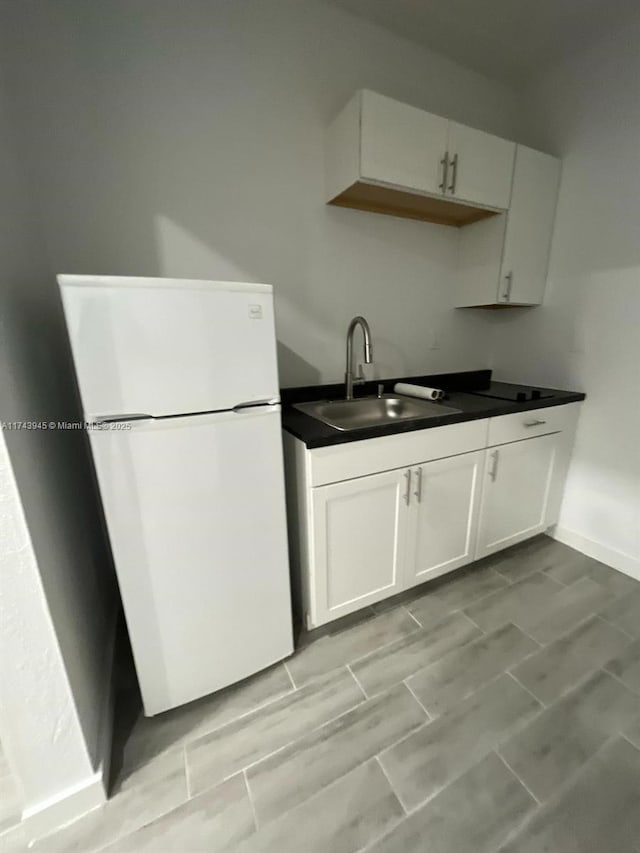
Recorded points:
179,384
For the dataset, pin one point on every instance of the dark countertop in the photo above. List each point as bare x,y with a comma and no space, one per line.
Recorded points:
462,391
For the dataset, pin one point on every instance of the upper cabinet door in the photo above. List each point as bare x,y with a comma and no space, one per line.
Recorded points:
529,227
401,145
480,166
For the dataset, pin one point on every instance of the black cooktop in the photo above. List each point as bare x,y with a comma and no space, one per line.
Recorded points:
515,393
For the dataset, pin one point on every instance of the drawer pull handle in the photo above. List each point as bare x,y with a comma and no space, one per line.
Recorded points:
534,423
418,491
407,494
493,471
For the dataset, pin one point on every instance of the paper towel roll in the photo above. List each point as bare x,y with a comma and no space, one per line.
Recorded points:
418,391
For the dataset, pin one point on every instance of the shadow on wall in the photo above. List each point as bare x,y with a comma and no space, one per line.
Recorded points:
54,472
204,154
291,364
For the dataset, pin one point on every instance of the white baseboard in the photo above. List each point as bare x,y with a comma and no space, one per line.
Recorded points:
67,806
64,808
605,554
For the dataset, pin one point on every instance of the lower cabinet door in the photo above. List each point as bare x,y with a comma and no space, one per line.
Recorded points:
515,495
445,503
358,542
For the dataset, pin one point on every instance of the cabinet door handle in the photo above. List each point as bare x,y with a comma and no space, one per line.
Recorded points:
418,491
407,492
493,471
509,279
454,174
534,423
445,171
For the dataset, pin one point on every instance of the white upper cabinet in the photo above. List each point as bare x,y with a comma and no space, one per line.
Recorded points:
480,166
387,157
530,221
504,260
401,144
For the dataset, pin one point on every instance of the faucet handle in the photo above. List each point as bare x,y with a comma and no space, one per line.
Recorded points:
359,378
380,389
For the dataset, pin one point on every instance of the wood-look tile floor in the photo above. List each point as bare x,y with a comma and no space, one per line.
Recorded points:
494,710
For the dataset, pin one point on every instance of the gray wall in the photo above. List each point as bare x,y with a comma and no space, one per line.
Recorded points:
587,334
186,138
57,584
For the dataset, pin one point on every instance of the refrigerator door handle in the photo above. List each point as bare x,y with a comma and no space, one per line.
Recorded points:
252,404
127,416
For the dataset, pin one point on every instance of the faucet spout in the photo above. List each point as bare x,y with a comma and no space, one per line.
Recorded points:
368,352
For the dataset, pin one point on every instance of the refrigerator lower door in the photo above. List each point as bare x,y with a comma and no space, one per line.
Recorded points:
195,510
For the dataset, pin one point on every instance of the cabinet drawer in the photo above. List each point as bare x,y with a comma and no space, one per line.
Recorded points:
508,428
361,458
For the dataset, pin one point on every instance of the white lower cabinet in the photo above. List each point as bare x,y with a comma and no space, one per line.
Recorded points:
375,536
357,537
444,520
515,494
359,542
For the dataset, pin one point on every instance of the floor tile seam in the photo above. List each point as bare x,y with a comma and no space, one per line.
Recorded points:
562,789
496,751
403,680
519,828
634,690
411,691
540,702
415,618
357,681
621,631
417,630
289,743
186,770
454,778
119,837
472,692
369,758
483,633
291,679
395,793
621,734
482,638
189,741
256,825
632,637
511,581
336,670
527,635
569,781
546,572
370,844
565,633
545,646
476,599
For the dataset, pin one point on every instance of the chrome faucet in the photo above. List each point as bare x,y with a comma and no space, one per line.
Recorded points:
348,376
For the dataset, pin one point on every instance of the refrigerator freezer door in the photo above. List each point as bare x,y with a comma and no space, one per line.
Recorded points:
168,346
196,516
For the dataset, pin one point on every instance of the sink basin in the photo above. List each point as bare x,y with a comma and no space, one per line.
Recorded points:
373,411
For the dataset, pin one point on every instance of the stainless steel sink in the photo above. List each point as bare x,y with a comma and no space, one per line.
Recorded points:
373,411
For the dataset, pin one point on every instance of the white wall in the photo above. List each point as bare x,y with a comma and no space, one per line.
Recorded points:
180,137
587,335
56,586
